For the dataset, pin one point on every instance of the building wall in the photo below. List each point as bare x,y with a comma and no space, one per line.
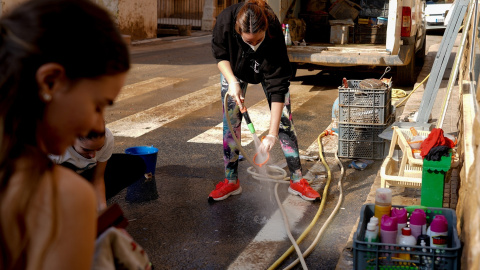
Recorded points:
179,8
110,5
136,18
468,208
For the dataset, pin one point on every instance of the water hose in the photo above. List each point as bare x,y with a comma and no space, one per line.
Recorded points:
408,96
335,210
278,175
320,209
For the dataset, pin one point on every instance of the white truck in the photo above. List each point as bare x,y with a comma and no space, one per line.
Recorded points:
385,33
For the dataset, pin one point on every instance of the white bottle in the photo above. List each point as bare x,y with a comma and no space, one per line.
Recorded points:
371,235
438,231
374,220
406,239
288,37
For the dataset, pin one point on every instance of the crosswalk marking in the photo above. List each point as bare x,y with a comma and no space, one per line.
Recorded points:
259,254
144,87
260,115
145,121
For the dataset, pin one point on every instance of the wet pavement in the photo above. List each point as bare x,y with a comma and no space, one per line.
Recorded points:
180,229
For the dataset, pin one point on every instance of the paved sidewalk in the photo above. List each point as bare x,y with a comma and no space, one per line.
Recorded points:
411,196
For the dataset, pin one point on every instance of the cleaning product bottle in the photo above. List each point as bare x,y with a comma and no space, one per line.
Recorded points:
438,231
383,203
288,37
418,222
374,220
371,236
406,239
401,215
283,29
388,230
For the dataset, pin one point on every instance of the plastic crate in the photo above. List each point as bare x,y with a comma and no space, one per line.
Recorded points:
361,140
354,95
364,105
382,256
358,114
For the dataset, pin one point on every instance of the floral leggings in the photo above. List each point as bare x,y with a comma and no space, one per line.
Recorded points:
286,134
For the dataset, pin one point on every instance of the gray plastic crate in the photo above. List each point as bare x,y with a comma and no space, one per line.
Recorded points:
359,132
361,140
364,105
353,95
374,256
359,114
361,149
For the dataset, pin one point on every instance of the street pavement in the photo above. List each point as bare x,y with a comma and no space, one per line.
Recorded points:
172,101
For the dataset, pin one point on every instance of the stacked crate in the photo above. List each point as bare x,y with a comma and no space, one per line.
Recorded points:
363,115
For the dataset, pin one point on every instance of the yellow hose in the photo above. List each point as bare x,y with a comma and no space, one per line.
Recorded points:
405,99
320,209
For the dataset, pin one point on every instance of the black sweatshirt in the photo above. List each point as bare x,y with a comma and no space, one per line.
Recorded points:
269,63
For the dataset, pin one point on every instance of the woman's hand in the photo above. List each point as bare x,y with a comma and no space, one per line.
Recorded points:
235,92
267,143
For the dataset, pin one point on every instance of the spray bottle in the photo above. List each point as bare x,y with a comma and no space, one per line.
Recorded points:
288,37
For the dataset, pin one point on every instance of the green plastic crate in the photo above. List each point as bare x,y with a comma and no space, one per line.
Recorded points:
377,256
433,178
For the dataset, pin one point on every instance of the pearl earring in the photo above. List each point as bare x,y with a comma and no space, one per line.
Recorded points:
47,97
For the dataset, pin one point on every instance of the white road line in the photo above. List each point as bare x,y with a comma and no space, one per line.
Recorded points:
260,115
260,252
143,87
143,122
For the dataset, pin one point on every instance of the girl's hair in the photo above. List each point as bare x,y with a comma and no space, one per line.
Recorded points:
253,17
80,36
93,135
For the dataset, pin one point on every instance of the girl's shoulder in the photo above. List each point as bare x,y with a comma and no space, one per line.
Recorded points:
72,188
61,205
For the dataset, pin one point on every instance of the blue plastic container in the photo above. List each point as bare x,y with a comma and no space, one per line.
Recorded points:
144,189
148,154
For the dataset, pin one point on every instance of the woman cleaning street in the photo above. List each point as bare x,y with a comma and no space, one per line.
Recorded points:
249,47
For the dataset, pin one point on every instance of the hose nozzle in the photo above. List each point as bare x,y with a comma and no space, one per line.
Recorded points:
247,119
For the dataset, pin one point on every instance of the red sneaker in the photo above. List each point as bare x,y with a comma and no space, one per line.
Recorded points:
304,190
224,189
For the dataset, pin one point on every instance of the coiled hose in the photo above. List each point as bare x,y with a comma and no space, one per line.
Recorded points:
279,176
320,209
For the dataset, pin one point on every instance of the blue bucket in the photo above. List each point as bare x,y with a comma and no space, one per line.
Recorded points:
148,154
144,189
